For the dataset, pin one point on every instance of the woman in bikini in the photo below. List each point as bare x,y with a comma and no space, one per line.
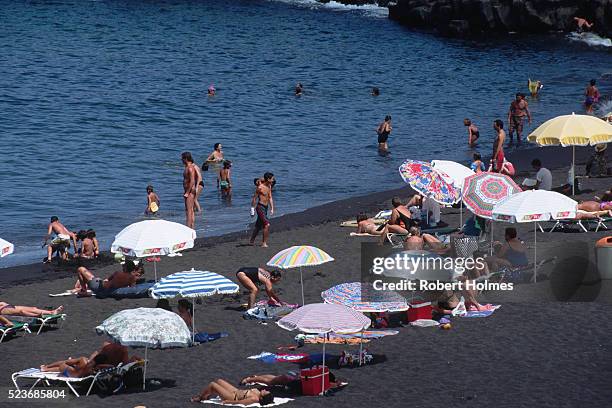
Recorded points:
26,311
77,367
400,221
232,395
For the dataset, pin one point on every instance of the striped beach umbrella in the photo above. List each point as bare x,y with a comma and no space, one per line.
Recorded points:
299,256
423,178
193,284
324,318
364,298
6,248
482,191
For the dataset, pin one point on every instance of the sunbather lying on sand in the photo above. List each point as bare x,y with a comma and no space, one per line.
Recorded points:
589,215
366,225
27,311
290,382
232,395
77,367
594,206
127,277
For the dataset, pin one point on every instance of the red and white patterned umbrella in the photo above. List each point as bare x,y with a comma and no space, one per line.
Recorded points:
6,248
482,191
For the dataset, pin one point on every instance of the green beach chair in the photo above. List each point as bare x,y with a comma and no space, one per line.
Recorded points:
40,322
6,331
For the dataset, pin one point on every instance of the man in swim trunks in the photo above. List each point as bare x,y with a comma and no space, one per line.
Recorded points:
591,96
473,133
383,131
252,277
498,145
263,194
123,279
62,237
225,183
519,109
190,185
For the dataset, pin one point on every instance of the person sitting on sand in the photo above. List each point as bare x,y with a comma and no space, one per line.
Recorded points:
125,278
77,367
512,254
400,220
416,241
87,249
91,234
473,133
232,395
27,311
185,311
61,240
252,277
152,202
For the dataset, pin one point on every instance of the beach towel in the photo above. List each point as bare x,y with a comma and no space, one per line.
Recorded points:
138,291
487,311
267,312
271,358
204,337
277,401
69,292
362,234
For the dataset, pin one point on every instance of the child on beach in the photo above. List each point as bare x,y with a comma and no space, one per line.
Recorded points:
224,179
477,165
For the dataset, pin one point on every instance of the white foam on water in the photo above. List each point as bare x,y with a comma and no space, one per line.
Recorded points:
370,10
591,39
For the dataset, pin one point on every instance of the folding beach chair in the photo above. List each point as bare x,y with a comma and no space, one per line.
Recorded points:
50,377
396,240
40,322
601,222
6,331
562,224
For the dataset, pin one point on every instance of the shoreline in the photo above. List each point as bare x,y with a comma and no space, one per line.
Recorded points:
554,158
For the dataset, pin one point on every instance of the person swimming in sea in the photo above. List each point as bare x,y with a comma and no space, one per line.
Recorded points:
211,90
375,91
299,89
534,87
473,133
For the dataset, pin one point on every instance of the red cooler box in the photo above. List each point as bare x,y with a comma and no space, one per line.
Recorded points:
312,380
420,310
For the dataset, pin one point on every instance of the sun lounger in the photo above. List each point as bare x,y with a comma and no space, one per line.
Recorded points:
277,401
561,224
40,322
362,234
6,331
601,222
49,377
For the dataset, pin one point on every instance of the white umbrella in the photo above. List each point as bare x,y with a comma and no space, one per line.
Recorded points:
193,284
148,328
153,238
534,206
6,248
325,318
456,174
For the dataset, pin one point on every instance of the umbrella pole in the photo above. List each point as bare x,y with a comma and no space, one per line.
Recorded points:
155,269
193,322
573,169
360,347
144,374
460,213
492,224
323,373
302,284
535,252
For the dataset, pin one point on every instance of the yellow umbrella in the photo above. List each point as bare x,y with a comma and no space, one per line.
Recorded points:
572,130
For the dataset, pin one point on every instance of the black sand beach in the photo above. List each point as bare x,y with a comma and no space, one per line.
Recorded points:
536,351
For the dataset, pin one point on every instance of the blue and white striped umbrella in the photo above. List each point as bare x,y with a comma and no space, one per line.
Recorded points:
192,284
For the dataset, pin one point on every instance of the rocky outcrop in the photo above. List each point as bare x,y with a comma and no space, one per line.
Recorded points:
479,17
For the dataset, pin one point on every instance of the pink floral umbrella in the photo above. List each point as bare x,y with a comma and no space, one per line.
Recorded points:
423,178
482,191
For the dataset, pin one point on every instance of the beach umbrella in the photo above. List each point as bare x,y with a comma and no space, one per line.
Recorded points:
297,257
422,177
364,298
535,206
572,130
482,191
153,238
193,284
325,318
6,248
153,328
455,173
421,265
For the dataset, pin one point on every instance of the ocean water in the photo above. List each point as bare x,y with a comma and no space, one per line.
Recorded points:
99,98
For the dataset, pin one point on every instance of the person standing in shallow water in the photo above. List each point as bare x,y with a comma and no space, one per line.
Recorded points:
299,89
519,110
262,201
591,96
383,131
498,146
473,133
190,184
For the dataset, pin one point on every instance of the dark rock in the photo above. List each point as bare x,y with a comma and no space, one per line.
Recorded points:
477,17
